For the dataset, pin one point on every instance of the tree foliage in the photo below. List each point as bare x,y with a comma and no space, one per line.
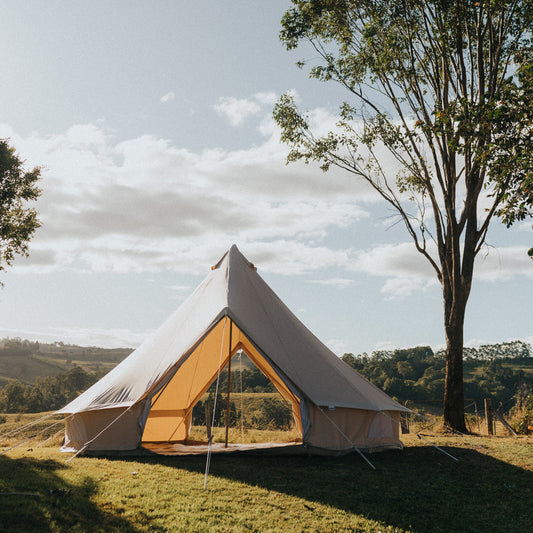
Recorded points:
18,221
47,393
439,85
417,374
512,168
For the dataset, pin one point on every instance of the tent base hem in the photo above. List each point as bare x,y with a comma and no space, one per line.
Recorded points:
201,448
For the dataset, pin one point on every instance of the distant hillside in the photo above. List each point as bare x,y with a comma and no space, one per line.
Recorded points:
26,360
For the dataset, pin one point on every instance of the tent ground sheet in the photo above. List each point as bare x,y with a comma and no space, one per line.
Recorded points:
202,448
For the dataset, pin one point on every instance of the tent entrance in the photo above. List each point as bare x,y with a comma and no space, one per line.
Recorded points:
257,411
178,412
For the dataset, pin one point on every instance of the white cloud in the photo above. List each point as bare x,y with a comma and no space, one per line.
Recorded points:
146,205
385,345
167,97
291,257
236,110
181,288
502,263
340,283
337,346
394,260
395,288
408,271
268,99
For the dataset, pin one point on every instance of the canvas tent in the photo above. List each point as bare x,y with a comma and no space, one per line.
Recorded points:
149,397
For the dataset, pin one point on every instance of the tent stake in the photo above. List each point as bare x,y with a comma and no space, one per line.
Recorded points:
438,447
421,438
363,456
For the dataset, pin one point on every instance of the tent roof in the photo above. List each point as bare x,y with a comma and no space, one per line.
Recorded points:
233,288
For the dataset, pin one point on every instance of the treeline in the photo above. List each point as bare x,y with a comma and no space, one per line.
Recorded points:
248,380
417,374
47,393
23,347
18,347
504,350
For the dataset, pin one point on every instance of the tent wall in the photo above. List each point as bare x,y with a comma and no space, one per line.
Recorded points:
368,430
123,433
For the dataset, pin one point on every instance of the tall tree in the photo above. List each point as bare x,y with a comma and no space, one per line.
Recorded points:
18,221
440,86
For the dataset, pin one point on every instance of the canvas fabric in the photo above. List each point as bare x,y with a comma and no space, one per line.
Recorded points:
233,309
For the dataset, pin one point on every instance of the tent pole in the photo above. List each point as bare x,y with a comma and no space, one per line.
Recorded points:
210,442
229,387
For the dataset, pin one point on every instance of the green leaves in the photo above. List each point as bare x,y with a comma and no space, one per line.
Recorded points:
510,155
18,221
461,72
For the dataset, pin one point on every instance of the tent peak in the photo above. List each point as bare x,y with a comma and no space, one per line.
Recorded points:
231,254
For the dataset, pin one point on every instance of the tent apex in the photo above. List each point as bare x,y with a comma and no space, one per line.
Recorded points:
231,254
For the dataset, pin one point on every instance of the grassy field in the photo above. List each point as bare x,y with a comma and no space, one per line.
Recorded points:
419,489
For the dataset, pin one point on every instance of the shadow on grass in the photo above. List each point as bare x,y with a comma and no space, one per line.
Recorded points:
47,502
417,489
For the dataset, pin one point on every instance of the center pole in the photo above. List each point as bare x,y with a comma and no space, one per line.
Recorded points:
229,387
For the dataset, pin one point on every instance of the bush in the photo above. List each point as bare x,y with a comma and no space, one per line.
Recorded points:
526,421
273,414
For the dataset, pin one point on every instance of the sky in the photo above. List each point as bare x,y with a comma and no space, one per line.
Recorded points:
153,124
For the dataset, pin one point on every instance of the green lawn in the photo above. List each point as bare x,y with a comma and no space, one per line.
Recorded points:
418,489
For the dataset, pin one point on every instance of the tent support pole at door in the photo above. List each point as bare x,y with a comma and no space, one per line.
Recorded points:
210,445
229,386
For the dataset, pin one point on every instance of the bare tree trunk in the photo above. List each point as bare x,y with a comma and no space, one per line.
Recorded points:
453,387
455,299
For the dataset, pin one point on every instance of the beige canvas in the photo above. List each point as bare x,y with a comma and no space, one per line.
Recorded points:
153,391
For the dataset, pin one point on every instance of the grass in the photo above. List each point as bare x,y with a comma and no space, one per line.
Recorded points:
419,489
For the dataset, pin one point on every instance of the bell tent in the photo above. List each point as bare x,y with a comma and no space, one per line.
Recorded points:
149,397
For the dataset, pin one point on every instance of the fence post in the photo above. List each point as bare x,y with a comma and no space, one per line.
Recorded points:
404,423
488,416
